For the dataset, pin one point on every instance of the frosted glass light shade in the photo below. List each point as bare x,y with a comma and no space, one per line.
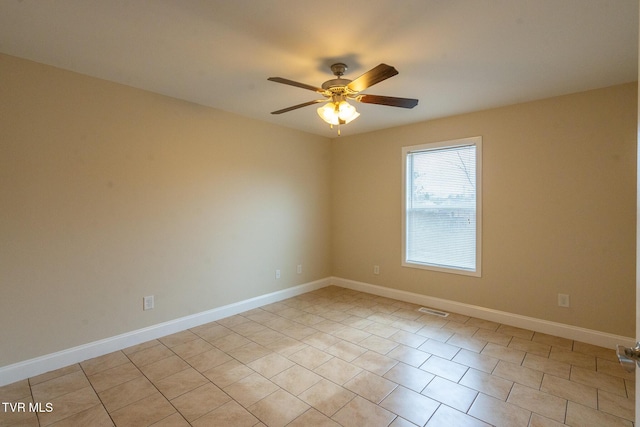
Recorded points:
338,113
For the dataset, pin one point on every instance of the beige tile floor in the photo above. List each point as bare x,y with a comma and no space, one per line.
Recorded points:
336,357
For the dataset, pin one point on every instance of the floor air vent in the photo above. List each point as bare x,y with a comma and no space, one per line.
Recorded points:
433,312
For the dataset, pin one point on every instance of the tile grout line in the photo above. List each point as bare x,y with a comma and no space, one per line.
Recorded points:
151,382
96,392
33,399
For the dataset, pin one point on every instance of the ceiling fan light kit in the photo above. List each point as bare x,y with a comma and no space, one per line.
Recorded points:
337,111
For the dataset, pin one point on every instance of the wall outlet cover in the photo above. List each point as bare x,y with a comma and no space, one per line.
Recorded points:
563,300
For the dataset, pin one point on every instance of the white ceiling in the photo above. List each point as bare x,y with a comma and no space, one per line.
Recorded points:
455,56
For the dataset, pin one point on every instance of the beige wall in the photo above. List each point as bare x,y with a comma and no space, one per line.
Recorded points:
559,209
109,193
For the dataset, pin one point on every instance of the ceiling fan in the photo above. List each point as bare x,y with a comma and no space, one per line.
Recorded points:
336,92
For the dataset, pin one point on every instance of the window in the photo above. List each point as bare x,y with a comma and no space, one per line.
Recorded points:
442,215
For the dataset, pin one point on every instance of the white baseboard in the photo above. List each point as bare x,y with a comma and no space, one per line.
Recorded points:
589,336
49,362
39,365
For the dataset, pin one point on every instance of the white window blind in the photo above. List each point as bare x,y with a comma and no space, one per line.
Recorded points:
441,221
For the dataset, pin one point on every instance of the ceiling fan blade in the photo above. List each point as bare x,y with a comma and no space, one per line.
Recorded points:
391,101
296,84
371,77
295,107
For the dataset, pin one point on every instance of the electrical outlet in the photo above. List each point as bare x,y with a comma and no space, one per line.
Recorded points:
277,274
563,300
147,302
376,269
299,269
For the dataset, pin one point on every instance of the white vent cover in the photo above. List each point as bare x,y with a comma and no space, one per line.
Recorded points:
433,312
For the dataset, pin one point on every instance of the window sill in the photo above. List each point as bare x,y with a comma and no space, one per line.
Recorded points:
442,269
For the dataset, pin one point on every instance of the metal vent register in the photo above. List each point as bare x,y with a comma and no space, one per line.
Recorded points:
433,312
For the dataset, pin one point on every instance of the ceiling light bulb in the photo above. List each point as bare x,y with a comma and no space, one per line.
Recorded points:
338,113
347,112
329,114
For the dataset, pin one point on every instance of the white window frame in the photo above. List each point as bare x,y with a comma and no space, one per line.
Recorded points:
477,142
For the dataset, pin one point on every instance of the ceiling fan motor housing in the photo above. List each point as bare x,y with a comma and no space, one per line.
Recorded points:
337,86
334,85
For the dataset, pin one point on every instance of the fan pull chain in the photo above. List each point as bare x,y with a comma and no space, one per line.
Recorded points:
331,127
